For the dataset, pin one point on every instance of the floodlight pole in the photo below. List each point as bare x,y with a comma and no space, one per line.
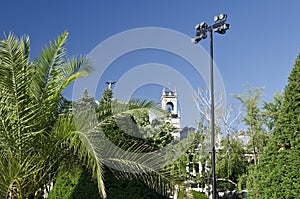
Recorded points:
212,122
220,27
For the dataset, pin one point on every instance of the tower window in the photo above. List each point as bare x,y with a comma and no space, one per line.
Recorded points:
170,107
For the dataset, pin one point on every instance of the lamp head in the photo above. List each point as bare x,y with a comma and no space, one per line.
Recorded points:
195,40
220,17
201,26
222,29
199,36
201,33
216,18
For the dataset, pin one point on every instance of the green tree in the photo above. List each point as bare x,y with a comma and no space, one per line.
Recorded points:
123,124
77,183
38,133
231,163
277,175
31,104
270,112
137,127
104,108
85,102
253,120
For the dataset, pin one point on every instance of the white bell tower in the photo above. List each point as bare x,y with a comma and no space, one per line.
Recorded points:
169,103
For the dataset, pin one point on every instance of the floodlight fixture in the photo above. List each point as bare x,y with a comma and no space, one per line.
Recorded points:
222,29
220,17
216,18
195,40
201,26
201,34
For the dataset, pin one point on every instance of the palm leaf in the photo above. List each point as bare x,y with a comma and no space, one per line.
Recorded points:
94,148
31,101
78,142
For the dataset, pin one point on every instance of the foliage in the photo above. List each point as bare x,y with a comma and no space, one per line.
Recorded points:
78,184
127,160
277,175
270,111
75,183
198,195
158,133
133,188
30,113
104,109
85,102
182,194
137,126
253,119
39,134
231,163
122,124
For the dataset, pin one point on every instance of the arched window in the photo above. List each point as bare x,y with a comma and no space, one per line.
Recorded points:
170,107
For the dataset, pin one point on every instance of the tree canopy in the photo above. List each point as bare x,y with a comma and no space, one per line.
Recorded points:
277,176
39,132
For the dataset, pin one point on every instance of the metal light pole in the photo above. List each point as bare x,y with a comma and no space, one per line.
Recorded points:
212,123
220,27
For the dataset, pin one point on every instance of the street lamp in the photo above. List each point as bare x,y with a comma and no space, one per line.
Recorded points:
220,26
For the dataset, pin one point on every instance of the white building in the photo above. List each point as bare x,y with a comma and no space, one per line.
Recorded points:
169,102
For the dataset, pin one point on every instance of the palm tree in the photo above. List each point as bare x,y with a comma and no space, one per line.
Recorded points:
38,133
31,104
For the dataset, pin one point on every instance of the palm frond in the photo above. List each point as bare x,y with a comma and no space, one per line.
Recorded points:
15,173
9,170
53,73
142,103
30,105
96,149
134,162
45,83
70,133
14,84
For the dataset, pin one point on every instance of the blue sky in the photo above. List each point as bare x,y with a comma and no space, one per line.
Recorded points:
260,47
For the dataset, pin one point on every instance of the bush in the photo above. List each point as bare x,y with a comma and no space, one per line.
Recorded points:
75,184
198,195
78,184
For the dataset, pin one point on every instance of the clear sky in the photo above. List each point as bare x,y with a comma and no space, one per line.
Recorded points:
260,47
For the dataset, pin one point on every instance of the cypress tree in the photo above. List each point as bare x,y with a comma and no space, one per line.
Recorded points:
278,174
